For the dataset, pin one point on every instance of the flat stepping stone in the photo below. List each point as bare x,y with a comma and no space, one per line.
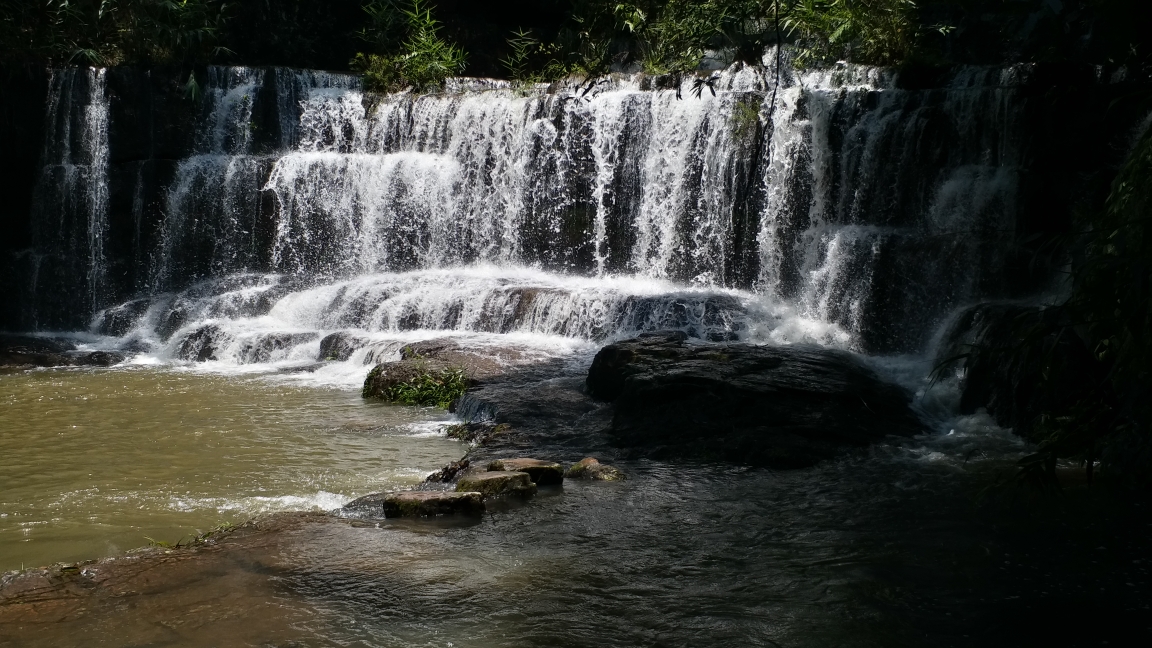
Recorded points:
493,483
589,468
542,473
433,503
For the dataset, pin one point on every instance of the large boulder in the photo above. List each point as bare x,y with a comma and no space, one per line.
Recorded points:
478,363
387,375
542,473
771,406
493,483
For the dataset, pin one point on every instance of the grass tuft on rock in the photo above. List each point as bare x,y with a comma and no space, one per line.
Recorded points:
437,388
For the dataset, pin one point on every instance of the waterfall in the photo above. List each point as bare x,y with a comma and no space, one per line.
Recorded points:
70,219
849,211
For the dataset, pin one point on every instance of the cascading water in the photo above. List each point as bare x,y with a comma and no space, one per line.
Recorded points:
70,218
841,213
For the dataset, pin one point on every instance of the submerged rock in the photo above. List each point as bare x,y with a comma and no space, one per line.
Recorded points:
32,351
772,406
433,503
542,473
494,483
589,468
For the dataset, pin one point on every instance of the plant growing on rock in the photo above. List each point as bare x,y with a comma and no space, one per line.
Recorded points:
430,387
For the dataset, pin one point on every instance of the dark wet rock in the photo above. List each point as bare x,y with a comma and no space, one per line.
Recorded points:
202,344
340,345
433,503
133,347
479,363
34,344
542,473
772,406
32,351
263,347
544,409
479,432
119,320
1000,374
97,358
448,472
172,320
496,483
589,468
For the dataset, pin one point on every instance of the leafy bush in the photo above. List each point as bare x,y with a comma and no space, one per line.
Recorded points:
532,61
110,32
425,59
867,31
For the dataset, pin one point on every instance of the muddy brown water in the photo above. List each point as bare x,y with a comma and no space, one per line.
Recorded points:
96,462
896,546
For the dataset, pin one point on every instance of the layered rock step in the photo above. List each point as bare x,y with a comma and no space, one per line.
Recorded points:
494,483
542,473
416,504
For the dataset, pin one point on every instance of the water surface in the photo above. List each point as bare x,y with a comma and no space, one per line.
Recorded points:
95,462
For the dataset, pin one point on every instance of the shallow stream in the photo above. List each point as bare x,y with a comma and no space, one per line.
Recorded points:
95,462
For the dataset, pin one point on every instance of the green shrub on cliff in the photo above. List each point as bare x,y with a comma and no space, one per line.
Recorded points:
110,32
423,60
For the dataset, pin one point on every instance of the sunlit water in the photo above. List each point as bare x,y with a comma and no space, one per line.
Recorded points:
95,462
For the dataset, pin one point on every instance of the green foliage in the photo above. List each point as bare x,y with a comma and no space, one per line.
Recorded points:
422,61
110,32
866,31
746,117
673,38
532,61
438,388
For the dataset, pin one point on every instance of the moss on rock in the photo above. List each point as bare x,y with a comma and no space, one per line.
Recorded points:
542,473
433,503
493,483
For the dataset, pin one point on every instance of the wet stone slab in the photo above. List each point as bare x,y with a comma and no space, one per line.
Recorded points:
495,483
542,473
